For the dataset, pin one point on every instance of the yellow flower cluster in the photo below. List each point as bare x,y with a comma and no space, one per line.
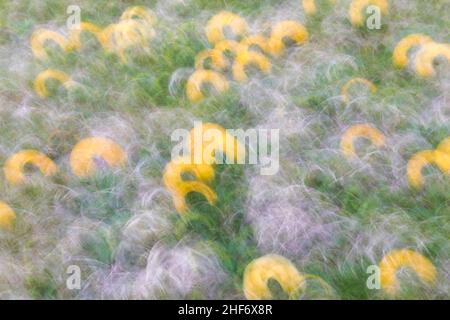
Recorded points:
242,51
134,29
429,51
199,163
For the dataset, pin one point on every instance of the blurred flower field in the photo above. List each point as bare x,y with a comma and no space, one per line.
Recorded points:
358,209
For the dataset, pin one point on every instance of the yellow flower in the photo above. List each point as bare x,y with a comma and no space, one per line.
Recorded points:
83,155
180,188
228,46
126,34
350,83
7,216
14,166
212,139
201,77
444,146
442,160
255,40
310,6
259,271
218,61
361,130
415,166
75,35
426,56
400,55
216,25
40,36
397,259
422,159
246,58
40,86
141,13
286,29
357,6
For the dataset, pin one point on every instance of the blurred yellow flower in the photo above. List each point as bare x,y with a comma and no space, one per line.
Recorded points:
400,56
397,259
310,6
125,34
180,188
249,58
217,24
40,86
356,10
7,216
257,40
14,166
83,155
259,271
344,92
212,139
202,77
427,55
40,36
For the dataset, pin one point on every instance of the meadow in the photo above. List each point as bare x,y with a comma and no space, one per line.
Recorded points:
329,215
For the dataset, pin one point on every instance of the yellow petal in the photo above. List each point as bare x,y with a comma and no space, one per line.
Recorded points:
259,271
216,25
